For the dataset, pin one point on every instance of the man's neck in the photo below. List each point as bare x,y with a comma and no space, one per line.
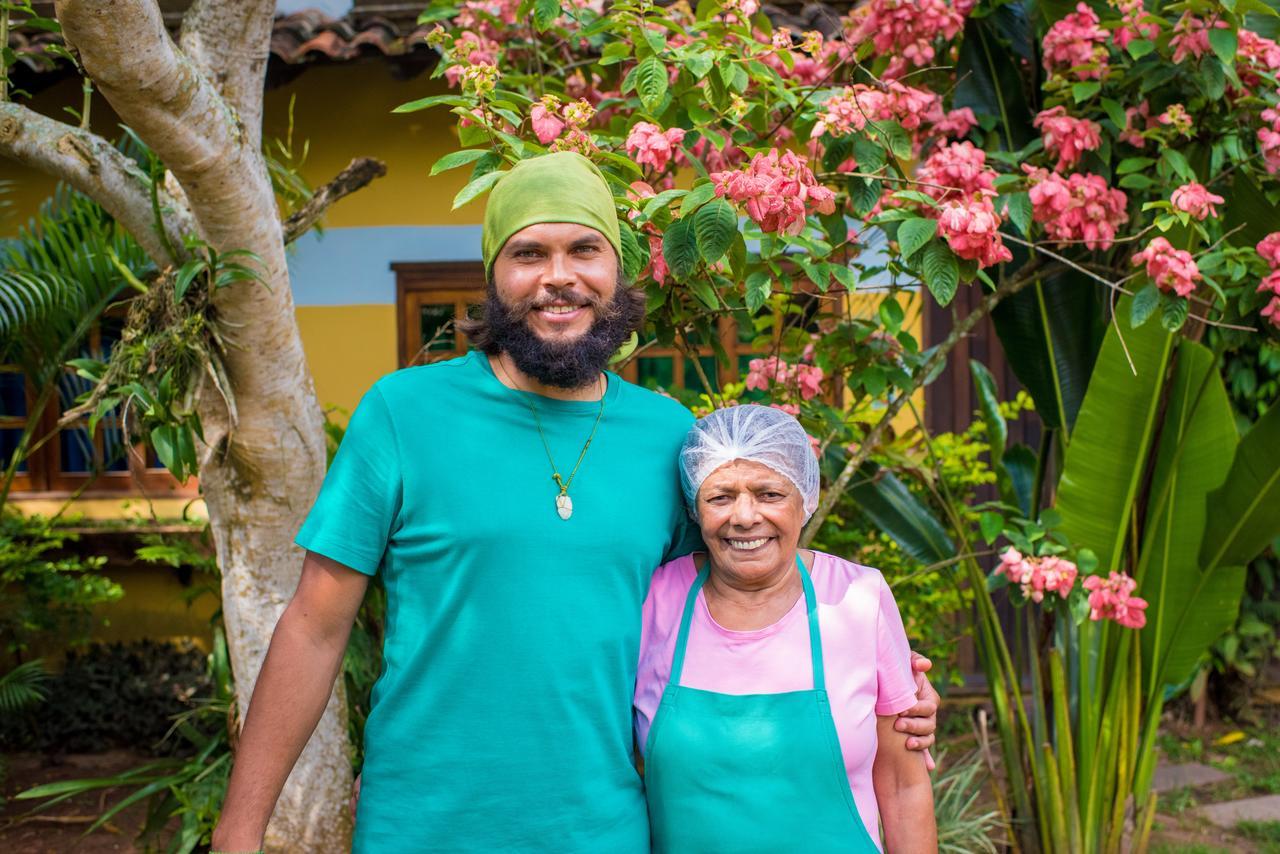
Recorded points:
509,375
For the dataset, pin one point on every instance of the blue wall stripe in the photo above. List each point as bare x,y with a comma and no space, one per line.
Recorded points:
352,266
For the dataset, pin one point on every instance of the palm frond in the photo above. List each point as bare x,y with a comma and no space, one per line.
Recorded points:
964,827
22,686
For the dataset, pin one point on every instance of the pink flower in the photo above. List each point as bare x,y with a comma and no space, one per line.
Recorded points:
1196,200
1269,248
1257,55
763,372
778,190
1133,26
1135,116
809,380
1112,598
907,29
972,229
1171,269
1038,576
1177,117
850,110
1077,207
1272,312
1066,136
650,145
1270,283
1269,140
657,269
576,139
956,124
1191,37
792,409
960,165
546,124
470,49
1076,46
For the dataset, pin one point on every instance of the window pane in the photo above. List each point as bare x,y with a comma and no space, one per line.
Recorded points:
433,317
13,394
9,437
77,450
693,382
655,372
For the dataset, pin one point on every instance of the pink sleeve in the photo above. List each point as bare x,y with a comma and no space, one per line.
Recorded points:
895,686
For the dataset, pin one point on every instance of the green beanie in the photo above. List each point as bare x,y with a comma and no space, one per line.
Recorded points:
559,187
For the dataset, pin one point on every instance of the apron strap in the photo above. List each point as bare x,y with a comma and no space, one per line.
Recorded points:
811,610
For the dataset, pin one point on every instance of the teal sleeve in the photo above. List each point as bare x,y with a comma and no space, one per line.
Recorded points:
358,506
686,539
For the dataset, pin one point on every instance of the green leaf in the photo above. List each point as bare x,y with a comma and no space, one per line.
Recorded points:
1082,92
454,159
615,52
476,187
1134,164
893,509
1225,43
991,524
680,248
635,254
1139,48
1188,607
1173,312
941,272
864,193
433,101
1178,163
913,234
165,441
651,82
1106,459
698,196
544,13
870,155
186,275
1246,507
896,138
714,226
1020,211
705,293
1143,305
989,404
759,285
1115,112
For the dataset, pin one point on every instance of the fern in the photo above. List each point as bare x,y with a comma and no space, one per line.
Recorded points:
964,827
22,687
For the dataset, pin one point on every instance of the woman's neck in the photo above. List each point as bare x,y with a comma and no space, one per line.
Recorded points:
743,605
509,375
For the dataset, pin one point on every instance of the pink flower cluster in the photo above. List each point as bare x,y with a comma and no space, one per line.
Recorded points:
1132,25
1076,46
851,109
470,49
1133,117
1112,598
650,145
1269,249
805,379
779,191
1269,139
1191,37
908,29
972,229
1256,55
1171,269
1196,200
961,165
1077,207
1067,136
955,124
1038,575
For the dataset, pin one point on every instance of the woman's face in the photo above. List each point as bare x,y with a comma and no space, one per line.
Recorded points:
751,518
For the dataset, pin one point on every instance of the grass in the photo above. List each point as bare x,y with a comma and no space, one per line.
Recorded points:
1183,848
1252,761
1267,833
1178,801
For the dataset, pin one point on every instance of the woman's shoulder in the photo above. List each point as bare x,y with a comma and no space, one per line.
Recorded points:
675,576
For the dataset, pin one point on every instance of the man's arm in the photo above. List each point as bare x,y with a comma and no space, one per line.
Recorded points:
904,794
289,698
921,720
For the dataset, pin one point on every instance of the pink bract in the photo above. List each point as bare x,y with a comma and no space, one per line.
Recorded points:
1171,269
1196,200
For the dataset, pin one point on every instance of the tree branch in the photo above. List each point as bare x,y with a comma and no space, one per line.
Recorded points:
230,44
96,168
359,173
1028,274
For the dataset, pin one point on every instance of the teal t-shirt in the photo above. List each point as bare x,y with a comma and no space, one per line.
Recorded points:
502,719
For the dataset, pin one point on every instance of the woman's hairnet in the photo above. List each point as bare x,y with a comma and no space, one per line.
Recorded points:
760,434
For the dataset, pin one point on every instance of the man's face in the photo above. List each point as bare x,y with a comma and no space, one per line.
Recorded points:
559,275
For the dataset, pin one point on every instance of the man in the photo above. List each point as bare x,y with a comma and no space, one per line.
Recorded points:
516,501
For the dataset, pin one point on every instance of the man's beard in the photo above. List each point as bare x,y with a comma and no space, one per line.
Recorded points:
571,364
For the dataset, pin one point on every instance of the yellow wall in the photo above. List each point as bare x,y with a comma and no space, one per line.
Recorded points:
348,347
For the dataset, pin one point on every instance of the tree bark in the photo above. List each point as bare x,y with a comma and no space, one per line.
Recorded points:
202,116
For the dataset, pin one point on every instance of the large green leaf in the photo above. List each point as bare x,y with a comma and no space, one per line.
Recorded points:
1187,609
891,506
1106,459
1246,508
1051,333
990,75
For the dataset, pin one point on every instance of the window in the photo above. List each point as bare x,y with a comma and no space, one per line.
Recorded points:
72,460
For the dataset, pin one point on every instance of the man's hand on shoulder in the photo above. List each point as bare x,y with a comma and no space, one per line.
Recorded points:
921,720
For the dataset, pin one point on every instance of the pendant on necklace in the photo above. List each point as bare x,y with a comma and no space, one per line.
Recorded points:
564,506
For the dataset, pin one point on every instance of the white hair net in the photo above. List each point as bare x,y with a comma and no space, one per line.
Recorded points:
760,434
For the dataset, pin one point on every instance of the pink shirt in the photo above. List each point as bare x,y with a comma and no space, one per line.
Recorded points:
867,659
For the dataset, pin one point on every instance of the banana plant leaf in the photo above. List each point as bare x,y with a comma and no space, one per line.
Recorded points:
1114,433
1051,333
1244,513
1188,609
990,74
888,503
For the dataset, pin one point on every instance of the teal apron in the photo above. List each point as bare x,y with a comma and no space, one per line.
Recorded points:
732,774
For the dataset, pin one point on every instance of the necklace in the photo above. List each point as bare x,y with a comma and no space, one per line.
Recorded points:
564,504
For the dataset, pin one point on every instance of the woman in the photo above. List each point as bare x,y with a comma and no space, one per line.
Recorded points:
770,677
